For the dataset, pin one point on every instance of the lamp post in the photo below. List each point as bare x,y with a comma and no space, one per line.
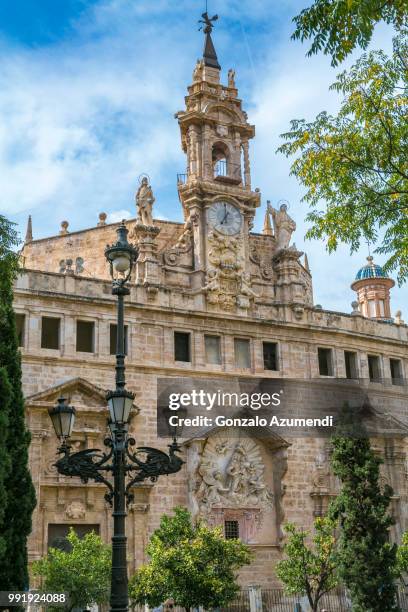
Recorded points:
126,466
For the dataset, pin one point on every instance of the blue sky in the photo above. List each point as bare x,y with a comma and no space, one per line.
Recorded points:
89,91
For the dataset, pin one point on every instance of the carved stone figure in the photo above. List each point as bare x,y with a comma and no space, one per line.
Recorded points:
231,78
144,203
284,225
75,510
198,71
231,475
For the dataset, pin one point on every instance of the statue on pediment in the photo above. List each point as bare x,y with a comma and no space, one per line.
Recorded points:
283,224
144,203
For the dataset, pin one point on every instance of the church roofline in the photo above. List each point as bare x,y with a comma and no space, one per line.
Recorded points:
99,227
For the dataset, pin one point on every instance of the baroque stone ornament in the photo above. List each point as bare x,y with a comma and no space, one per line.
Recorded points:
75,510
227,284
230,475
183,245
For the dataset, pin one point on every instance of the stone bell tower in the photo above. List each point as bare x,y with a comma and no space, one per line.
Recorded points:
215,192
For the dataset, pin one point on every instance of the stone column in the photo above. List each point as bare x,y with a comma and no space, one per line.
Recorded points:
206,171
247,167
193,142
255,598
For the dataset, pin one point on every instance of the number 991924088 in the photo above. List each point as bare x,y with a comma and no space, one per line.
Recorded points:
24,599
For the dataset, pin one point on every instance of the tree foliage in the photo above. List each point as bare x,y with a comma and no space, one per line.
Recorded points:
15,525
336,27
5,394
365,557
83,573
192,564
402,555
356,162
309,570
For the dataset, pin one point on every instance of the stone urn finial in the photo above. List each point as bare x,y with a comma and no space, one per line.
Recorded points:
64,228
102,219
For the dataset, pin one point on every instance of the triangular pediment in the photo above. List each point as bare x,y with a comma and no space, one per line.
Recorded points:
79,392
264,434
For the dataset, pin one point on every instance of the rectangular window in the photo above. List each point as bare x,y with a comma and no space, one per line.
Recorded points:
325,361
213,349
85,336
20,327
50,332
182,346
242,353
57,534
231,530
270,356
374,370
396,371
350,360
114,336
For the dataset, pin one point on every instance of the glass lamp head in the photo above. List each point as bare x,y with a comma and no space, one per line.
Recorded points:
63,417
120,403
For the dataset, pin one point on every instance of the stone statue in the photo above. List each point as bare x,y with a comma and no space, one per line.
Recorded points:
231,78
283,224
198,71
144,203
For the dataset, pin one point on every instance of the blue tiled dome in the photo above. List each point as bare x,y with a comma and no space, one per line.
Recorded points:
370,270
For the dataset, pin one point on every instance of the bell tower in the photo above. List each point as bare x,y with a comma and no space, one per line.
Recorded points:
215,191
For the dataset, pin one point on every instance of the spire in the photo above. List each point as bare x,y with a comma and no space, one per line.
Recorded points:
29,232
209,54
267,227
306,263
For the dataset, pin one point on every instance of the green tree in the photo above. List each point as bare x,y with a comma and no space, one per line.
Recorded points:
192,564
354,165
309,570
365,557
336,27
402,555
5,394
83,573
15,525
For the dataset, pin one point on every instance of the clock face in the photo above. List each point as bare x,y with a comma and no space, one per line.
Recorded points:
224,218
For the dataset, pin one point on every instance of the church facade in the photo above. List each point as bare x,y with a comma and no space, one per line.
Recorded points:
209,298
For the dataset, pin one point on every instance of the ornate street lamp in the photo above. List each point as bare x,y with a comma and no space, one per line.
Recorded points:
63,418
126,465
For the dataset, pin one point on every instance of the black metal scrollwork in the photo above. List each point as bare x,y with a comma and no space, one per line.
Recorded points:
157,463
89,464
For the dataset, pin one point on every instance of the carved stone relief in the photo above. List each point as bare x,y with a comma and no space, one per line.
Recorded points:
264,266
230,474
227,284
75,510
184,245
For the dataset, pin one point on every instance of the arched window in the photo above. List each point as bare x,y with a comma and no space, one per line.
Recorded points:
220,159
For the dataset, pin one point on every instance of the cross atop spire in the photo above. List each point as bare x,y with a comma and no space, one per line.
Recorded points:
209,54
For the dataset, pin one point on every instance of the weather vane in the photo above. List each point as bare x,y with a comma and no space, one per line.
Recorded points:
207,22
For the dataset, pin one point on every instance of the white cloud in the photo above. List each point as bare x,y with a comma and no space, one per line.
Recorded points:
80,120
117,215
